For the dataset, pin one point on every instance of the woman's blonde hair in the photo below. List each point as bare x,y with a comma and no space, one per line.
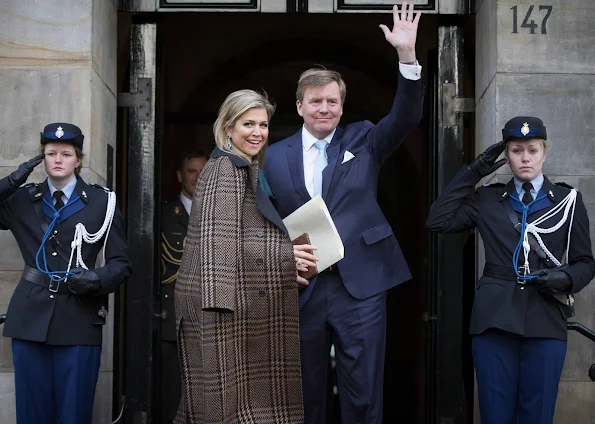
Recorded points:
234,106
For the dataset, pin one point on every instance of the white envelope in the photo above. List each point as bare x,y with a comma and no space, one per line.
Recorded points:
347,156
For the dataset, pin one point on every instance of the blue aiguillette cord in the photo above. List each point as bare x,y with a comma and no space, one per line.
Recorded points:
54,275
519,247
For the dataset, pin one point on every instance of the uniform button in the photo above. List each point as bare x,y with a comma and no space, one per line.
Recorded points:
55,231
177,242
259,261
522,288
166,296
51,296
54,254
260,234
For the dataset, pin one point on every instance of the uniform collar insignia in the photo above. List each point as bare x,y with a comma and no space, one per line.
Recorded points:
59,132
177,210
525,129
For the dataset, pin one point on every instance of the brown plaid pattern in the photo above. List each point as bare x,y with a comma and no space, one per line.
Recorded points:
237,307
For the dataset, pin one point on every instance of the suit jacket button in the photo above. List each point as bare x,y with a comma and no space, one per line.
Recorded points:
259,261
54,253
262,293
51,296
260,234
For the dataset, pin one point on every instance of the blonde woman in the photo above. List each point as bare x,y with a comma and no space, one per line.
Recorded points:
236,295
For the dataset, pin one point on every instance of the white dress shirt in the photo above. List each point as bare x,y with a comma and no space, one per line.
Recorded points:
411,72
310,152
186,202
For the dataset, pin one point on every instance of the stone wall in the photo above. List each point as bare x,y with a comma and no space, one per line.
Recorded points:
57,63
549,74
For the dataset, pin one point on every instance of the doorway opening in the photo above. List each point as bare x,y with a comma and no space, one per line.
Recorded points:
202,57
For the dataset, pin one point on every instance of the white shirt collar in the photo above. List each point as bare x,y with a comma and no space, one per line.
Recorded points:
308,139
537,183
186,202
67,189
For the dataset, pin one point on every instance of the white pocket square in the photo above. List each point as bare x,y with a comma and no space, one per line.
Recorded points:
347,156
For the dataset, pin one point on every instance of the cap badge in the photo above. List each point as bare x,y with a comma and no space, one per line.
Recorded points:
525,129
59,132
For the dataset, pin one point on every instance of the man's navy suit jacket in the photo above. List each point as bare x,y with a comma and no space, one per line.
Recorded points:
373,260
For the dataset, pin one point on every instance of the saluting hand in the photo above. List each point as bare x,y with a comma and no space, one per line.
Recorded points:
19,177
404,32
484,163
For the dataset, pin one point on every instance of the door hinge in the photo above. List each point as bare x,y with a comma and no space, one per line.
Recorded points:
451,104
141,99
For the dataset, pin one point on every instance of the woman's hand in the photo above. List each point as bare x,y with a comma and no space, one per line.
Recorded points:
303,260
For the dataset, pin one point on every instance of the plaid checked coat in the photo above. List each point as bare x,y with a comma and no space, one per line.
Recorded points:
236,304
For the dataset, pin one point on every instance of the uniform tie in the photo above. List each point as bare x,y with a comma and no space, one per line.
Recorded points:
527,197
58,198
319,164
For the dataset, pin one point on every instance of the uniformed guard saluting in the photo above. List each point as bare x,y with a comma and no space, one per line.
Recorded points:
538,252
174,225
56,313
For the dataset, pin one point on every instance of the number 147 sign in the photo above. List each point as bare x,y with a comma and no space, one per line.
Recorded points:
530,23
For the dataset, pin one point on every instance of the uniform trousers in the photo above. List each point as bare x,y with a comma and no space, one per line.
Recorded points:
54,384
517,377
357,328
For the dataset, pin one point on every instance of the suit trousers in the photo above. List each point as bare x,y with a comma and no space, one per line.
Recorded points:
517,377
357,328
54,384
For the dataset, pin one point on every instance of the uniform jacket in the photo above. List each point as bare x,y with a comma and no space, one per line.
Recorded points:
237,304
174,224
35,313
500,303
373,260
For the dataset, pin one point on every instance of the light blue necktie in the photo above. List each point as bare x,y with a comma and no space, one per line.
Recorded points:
319,164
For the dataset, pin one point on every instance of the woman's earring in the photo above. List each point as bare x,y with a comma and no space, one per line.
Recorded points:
229,141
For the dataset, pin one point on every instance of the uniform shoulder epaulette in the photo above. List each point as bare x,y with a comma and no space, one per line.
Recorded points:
563,184
28,185
494,185
107,190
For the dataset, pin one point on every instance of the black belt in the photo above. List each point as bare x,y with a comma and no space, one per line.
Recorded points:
501,272
38,278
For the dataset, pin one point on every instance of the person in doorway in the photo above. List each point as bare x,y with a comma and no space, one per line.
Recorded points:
345,305
538,252
174,224
236,296
59,306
